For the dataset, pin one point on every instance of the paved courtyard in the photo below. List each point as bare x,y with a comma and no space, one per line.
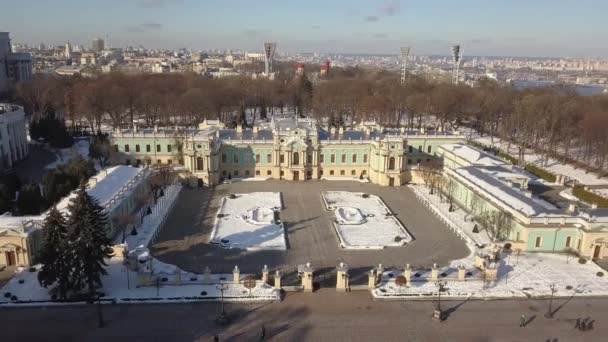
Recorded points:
184,238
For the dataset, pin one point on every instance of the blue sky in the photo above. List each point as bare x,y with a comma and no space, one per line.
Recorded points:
483,27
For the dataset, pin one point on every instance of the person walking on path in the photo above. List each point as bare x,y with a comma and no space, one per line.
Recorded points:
522,322
263,333
577,325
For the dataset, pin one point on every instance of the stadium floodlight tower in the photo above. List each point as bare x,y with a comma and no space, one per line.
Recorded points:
269,49
405,55
456,59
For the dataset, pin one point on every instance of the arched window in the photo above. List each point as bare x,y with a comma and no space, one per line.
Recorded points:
391,163
199,163
296,158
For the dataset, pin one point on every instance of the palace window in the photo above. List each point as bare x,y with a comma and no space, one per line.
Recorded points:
568,241
158,161
158,148
269,158
148,148
235,158
126,148
343,157
137,148
365,158
282,158
409,162
296,158
353,172
269,173
391,163
257,158
309,159
169,148
128,162
428,149
246,172
419,148
410,149
538,242
342,172
331,172
257,172
246,157
333,158
169,161
116,148
354,158
322,158
224,157
236,172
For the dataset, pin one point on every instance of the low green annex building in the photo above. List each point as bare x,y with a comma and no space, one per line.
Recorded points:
287,148
483,183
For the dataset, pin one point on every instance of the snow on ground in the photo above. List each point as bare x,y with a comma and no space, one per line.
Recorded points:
553,165
518,276
247,222
117,287
248,179
65,155
120,283
458,221
345,178
371,225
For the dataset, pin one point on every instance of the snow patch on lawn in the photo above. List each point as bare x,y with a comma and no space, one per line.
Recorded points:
364,222
65,155
529,275
239,222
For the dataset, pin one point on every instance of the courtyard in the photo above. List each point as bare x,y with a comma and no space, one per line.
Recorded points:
310,236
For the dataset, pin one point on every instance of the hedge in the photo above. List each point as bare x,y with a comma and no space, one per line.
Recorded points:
589,197
509,158
544,174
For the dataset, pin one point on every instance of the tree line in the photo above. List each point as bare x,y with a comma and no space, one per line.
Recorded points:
555,121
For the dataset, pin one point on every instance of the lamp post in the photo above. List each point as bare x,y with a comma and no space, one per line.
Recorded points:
437,313
549,313
222,319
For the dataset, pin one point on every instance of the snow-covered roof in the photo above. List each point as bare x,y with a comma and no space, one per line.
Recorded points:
487,179
104,187
472,155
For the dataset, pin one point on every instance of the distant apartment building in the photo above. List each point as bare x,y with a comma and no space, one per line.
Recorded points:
13,66
13,135
98,45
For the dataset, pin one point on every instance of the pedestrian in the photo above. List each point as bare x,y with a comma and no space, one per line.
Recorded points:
583,326
590,325
216,338
263,333
578,324
522,322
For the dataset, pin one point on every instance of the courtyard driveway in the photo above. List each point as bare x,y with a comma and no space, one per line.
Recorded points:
183,240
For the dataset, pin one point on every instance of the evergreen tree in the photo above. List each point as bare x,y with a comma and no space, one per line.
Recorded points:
54,255
89,244
30,201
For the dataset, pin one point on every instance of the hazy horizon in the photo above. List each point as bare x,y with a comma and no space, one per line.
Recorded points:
516,28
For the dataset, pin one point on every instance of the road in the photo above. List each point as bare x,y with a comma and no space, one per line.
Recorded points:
183,240
321,316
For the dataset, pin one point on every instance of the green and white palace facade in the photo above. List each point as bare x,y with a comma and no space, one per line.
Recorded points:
284,148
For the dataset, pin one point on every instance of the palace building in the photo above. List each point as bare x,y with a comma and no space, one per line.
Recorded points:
288,148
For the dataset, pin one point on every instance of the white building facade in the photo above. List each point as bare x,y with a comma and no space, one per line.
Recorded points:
13,135
13,66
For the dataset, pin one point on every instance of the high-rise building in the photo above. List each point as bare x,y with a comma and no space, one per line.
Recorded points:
13,66
68,51
98,45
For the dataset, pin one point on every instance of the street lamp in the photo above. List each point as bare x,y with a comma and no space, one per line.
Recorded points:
549,313
222,319
437,313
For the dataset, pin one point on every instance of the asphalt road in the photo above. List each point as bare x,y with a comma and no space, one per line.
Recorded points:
183,240
321,316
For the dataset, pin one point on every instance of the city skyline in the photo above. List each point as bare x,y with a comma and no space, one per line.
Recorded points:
516,28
